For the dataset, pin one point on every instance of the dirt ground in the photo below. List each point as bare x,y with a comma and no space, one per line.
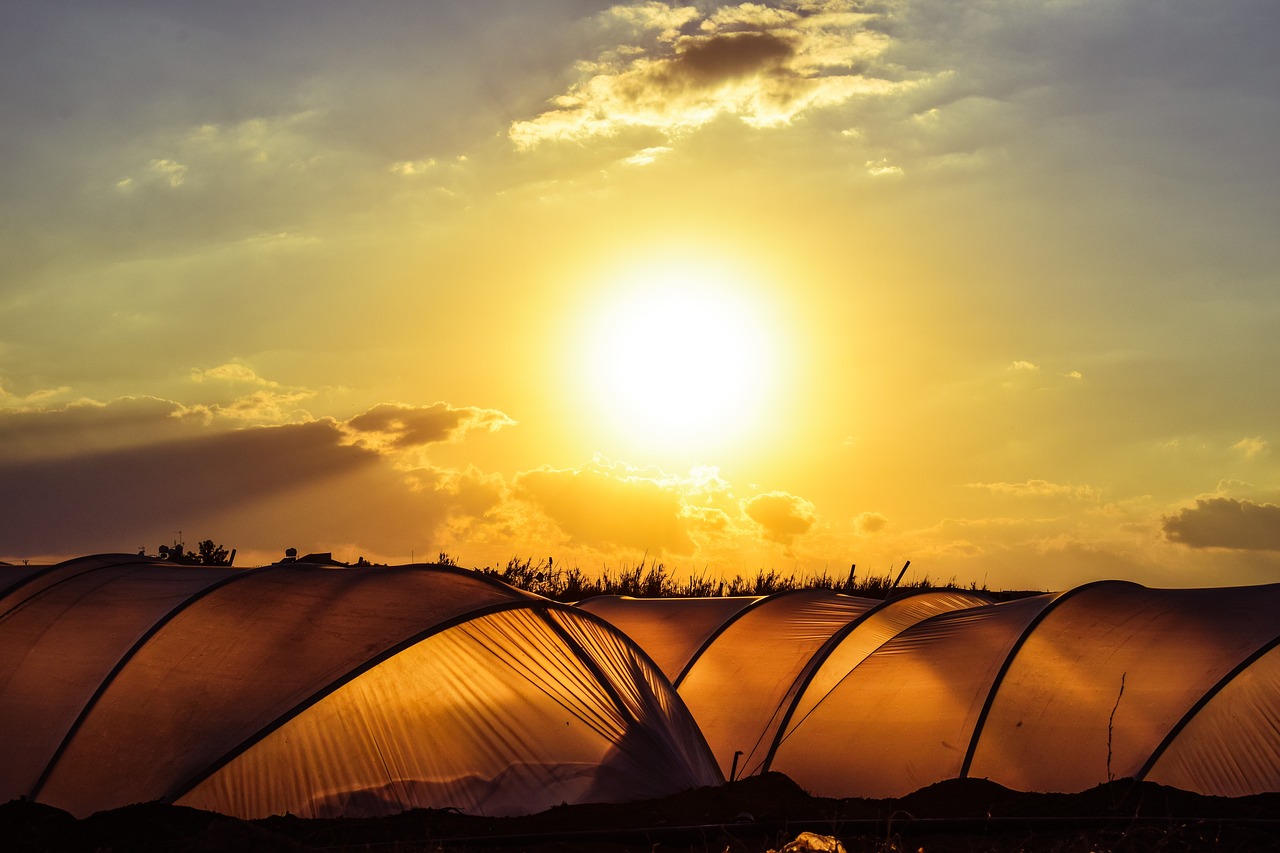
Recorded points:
749,816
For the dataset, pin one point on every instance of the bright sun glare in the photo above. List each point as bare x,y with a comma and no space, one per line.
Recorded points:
680,358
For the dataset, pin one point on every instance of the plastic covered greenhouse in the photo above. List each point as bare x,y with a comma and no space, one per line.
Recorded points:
296,688
1055,692
326,691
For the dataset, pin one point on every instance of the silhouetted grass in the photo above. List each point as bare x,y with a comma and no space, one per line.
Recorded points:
650,579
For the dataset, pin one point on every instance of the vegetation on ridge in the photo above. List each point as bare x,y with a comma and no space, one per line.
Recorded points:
649,579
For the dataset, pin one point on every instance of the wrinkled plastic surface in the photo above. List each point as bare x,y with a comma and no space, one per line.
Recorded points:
736,688
903,717
500,715
1231,746
140,681
330,691
1108,673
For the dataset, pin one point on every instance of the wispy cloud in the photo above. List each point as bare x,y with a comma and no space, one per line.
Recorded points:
267,407
170,171
34,399
393,427
1039,489
232,372
1252,447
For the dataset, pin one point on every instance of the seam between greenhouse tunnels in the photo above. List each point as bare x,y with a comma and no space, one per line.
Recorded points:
824,654
1202,702
1008,662
48,570
724,626
124,660
636,649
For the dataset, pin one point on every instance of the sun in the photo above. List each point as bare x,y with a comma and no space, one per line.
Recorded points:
680,356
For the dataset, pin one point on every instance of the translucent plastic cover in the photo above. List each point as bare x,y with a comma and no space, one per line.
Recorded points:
903,717
331,691
671,630
864,636
507,714
1108,673
737,686
62,640
238,658
1231,746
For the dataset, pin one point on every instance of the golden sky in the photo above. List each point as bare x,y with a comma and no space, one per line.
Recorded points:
989,286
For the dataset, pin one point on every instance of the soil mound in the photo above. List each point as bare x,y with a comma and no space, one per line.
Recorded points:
747,816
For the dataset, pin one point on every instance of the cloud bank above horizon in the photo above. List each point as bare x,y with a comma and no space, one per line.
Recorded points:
334,278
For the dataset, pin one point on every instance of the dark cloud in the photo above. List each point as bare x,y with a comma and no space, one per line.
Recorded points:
96,477
601,510
869,523
403,427
78,503
81,427
707,61
764,65
1226,523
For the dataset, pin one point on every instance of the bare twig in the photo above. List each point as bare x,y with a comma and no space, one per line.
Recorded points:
1111,725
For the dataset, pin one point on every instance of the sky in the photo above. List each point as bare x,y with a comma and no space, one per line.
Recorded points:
991,286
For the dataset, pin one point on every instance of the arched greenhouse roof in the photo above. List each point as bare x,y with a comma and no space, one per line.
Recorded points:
324,691
1053,692
671,630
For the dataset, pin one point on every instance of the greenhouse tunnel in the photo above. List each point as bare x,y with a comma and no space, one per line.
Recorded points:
325,691
1054,692
355,691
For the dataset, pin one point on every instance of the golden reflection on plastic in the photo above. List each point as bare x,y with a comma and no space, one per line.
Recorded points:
1060,722
874,631
493,716
1231,747
239,658
736,687
670,630
902,719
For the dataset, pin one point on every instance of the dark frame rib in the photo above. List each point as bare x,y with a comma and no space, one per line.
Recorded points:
828,648
600,621
1200,704
539,606
183,605
1053,605
124,660
544,614
724,626
183,788
109,561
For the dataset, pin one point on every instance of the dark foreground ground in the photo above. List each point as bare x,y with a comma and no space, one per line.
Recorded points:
749,816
